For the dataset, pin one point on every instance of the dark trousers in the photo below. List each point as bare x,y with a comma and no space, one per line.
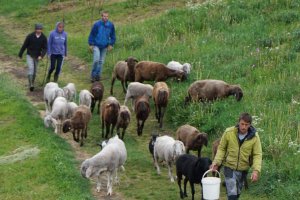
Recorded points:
56,62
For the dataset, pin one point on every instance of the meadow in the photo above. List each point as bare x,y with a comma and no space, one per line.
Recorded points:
255,44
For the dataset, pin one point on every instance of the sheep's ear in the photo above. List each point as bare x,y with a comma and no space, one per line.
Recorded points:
89,171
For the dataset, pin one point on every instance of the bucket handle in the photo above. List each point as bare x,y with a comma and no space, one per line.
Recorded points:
210,170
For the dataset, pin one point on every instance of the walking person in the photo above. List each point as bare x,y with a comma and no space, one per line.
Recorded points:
101,39
36,45
57,50
239,149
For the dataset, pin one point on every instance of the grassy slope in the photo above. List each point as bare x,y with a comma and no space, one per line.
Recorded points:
254,44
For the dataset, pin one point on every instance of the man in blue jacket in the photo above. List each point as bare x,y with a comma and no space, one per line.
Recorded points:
101,39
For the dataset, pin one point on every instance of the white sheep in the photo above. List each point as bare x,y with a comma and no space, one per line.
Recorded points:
57,115
70,92
71,106
136,89
167,149
85,98
109,159
51,91
186,67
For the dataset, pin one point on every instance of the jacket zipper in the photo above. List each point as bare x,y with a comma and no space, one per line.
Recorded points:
237,164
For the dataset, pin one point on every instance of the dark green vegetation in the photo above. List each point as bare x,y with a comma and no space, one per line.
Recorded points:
252,43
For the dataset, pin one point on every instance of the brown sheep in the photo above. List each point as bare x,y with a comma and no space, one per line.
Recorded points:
142,110
123,120
123,71
78,123
97,90
192,138
160,95
210,90
154,71
109,115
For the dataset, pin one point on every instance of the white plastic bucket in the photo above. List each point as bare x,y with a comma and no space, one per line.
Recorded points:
211,186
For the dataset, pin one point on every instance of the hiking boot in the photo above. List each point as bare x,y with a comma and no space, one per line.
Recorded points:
48,78
31,81
55,78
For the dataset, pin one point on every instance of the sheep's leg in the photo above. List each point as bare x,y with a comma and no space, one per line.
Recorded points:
77,135
156,164
124,90
193,190
85,131
102,127
118,132
138,126
98,183
107,130
142,127
123,133
156,114
109,184
184,185
170,172
199,152
82,133
112,130
116,181
179,177
98,112
93,105
112,85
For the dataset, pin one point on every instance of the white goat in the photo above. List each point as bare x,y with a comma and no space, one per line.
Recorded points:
136,89
109,159
186,67
57,115
51,91
85,98
167,149
70,92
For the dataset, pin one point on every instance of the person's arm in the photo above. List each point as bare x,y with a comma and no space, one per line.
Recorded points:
92,35
24,46
257,159
66,45
44,47
112,36
221,151
49,44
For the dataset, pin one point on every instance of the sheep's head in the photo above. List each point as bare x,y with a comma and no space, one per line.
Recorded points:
178,149
67,126
237,92
186,67
113,107
49,121
86,169
59,92
200,140
180,75
131,62
103,144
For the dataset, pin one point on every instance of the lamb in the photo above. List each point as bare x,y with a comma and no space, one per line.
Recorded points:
78,123
123,120
192,138
51,91
167,149
142,111
186,67
136,89
71,107
57,114
154,71
123,71
161,97
109,114
97,90
210,90
193,169
85,98
109,159
70,92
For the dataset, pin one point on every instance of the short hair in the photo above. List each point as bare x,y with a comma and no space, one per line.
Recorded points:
246,117
104,12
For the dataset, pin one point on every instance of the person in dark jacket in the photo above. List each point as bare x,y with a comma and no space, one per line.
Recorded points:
36,45
57,50
101,39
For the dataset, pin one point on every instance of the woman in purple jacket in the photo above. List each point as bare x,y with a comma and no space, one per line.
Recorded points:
57,50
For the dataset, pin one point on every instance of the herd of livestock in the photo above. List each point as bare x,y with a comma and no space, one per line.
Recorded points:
63,114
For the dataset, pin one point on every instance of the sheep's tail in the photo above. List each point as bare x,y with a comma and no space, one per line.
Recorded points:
162,98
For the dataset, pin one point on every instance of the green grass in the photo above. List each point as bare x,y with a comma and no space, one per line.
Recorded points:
50,175
255,44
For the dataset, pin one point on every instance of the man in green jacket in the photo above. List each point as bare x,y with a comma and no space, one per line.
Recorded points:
239,149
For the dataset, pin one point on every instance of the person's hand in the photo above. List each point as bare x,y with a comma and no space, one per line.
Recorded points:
109,48
40,58
254,176
91,48
214,167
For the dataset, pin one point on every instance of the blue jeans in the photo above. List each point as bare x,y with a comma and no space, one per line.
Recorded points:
56,62
98,61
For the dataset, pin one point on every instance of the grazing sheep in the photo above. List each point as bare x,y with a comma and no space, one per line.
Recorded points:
109,115
109,159
192,138
161,97
142,111
51,91
97,90
70,92
210,90
154,71
136,89
58,113
123,120
193,169
123,71
186,68
71,107
78,123
151,144
167,149
85,98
